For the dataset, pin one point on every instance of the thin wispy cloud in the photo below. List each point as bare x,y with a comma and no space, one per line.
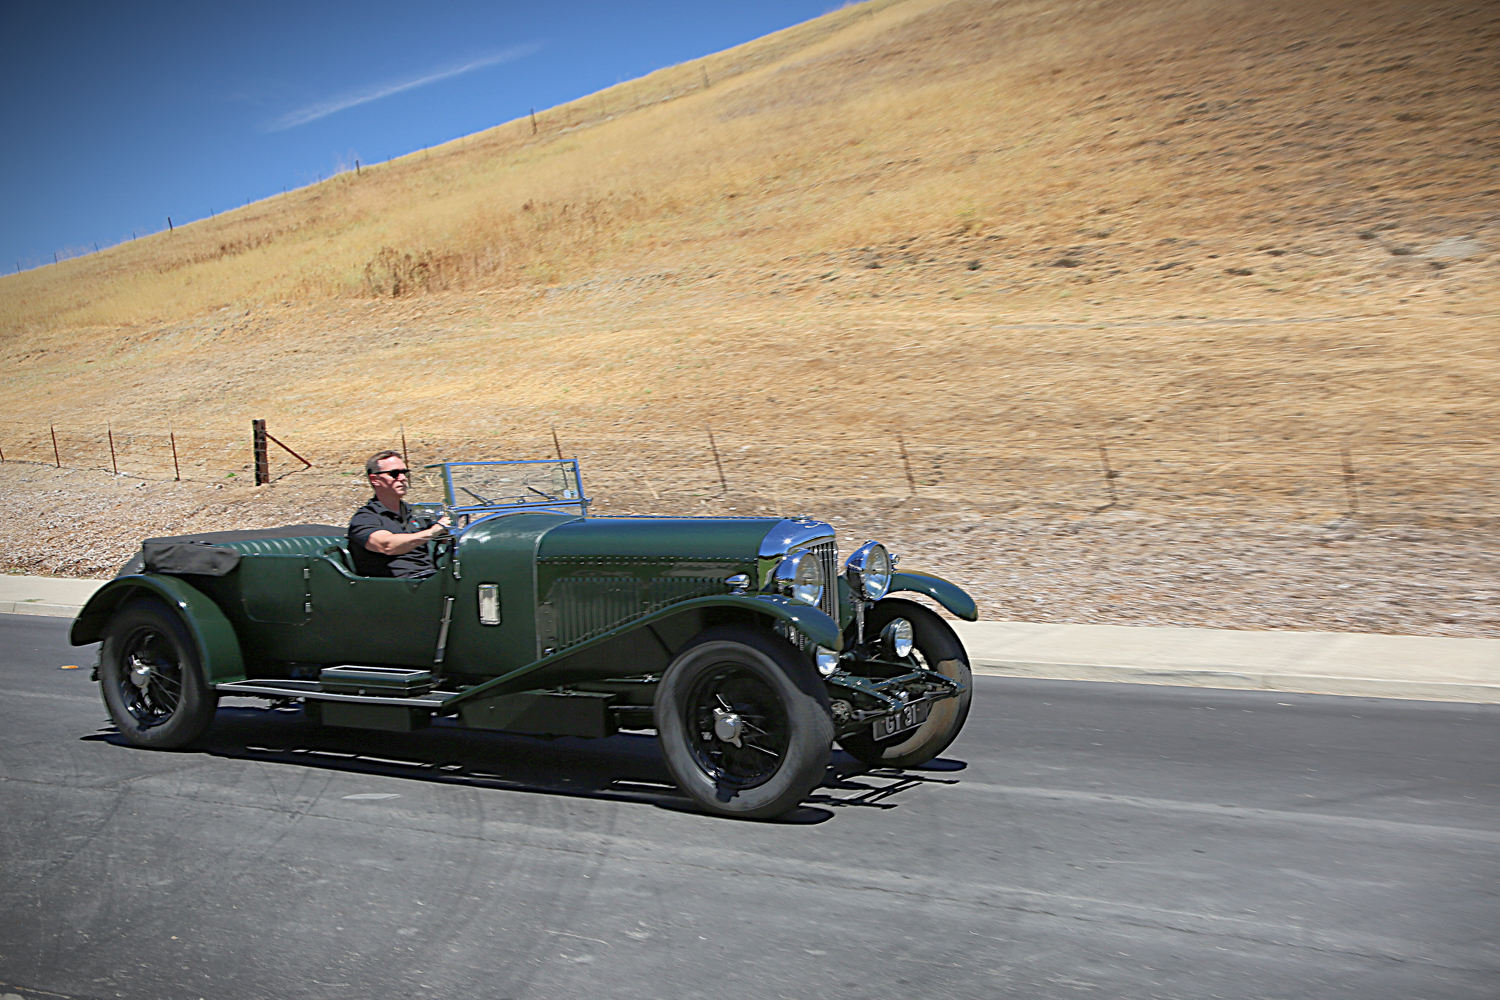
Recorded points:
323,109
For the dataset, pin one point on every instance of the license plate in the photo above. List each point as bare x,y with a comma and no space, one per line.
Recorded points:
909,717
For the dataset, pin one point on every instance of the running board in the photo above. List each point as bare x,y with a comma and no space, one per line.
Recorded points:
310,691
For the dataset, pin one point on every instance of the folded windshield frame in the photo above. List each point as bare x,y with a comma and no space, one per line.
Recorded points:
475,489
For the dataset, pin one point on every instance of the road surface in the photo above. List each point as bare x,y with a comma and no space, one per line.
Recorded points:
1079,840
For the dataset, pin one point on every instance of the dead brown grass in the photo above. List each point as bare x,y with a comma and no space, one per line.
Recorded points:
1105,126
1224,238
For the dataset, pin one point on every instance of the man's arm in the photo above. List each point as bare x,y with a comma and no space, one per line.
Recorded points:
390,543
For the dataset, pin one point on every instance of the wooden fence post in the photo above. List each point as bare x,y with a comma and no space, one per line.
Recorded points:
57,458
723,483
1349,480
555,443
911,481
262,456
1109,474
172,436
114,466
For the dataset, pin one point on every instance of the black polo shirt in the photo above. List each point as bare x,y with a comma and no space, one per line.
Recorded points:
376,516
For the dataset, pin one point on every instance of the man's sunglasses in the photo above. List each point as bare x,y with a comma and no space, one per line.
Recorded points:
396,473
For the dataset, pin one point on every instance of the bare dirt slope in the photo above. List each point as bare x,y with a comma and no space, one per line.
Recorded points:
1224,240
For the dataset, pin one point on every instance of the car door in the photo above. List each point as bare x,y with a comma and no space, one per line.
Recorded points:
376,620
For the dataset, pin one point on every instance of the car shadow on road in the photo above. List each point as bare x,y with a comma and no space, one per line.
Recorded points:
626,767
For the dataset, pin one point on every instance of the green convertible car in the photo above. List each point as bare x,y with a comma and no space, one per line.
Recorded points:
737,639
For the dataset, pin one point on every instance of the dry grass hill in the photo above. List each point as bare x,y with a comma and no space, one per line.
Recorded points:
1226,241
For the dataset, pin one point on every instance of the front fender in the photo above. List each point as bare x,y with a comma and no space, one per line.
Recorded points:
949,595
218,645
810,621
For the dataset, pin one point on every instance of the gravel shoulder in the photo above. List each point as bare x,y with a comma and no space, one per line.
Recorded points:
1131,564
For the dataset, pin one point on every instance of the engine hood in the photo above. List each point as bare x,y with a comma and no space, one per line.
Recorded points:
736,539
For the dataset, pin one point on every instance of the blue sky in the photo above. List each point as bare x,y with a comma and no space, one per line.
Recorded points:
117,115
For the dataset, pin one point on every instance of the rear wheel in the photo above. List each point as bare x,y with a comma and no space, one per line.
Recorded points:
743,723
151,679
936,647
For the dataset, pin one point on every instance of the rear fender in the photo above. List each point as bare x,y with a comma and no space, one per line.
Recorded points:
218,646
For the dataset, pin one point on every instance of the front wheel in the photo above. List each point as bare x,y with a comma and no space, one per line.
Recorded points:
936,647
151,679
742,725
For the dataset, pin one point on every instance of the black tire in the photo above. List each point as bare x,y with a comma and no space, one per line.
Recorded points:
780,720
151,677
937,648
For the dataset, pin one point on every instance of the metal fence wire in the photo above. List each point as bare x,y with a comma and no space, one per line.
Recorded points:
687,464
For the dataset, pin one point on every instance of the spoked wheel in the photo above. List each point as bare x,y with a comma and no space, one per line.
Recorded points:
151,680
740,727
743,724
938,648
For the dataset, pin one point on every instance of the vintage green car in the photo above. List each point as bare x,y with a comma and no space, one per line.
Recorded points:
737,639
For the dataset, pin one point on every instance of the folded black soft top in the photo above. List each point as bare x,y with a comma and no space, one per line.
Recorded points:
199,554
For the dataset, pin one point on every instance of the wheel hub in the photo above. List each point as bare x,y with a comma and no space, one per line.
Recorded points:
728,726
140,674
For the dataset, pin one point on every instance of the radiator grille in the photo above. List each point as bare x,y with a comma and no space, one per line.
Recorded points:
828,559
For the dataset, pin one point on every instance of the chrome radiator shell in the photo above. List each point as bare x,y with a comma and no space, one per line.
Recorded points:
795,534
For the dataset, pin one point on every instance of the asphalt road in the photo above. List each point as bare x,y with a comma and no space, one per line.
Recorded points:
1079,840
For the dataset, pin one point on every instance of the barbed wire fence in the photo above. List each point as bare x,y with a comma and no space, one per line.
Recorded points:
681,467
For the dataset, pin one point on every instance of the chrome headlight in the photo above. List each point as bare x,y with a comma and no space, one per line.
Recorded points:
827,661
869,571
800,577
897,638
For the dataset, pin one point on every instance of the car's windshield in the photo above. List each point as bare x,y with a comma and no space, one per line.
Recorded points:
470,485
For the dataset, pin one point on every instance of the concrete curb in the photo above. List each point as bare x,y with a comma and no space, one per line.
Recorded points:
55,597
38,608
1240,680
1359,664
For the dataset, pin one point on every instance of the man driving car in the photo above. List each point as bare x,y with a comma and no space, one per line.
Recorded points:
386,538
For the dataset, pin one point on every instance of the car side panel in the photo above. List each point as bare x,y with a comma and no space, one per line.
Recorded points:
580,597
272,589
498,551
646,644
308,608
